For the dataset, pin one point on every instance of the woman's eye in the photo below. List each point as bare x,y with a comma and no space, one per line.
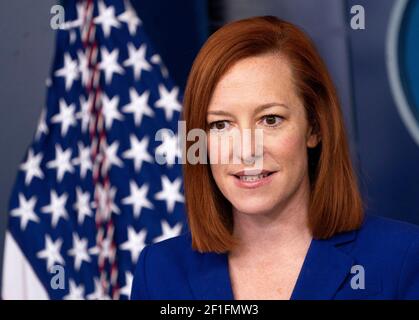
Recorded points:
272,120
269,120
219,125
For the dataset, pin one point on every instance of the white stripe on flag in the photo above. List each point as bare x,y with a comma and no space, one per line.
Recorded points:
19,280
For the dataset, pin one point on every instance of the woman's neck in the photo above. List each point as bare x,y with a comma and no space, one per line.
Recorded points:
283,228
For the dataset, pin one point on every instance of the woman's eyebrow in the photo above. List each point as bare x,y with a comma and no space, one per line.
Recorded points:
270,105
257,110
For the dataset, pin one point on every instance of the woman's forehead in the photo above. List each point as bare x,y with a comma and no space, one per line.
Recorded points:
257,66
255,81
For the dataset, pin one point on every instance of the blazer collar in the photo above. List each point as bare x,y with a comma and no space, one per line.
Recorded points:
324,269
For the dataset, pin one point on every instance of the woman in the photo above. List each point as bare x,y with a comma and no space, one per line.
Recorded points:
294,227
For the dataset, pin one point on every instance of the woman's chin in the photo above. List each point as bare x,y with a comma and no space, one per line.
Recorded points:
251,208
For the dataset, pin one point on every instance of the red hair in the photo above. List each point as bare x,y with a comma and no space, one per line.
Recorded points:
335,202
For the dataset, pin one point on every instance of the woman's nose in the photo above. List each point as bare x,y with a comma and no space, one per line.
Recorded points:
250,149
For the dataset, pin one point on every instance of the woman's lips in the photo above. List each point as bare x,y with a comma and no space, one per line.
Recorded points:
253,184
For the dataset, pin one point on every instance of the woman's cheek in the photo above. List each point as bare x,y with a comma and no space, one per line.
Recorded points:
285,145
220,176
219,149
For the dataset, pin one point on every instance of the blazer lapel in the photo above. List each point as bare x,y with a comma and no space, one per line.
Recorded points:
324,269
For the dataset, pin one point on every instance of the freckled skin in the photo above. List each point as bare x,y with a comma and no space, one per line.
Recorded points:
249,83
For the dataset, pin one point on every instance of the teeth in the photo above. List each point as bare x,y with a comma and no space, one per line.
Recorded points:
253,178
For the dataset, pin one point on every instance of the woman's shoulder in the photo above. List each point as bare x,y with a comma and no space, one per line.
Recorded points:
176,252
387,240
163,267
388,250
178,242
387,229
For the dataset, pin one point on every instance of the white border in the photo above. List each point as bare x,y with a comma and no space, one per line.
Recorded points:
393,69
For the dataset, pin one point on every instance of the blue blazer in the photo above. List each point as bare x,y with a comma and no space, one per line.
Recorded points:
387,251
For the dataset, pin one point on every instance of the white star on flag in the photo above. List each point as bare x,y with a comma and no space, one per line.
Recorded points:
105,204
84,113
110,110
79,251
138,152
48,82
80,8
168,231
56,207
111,156
51,252
126,290
156,59
170,192
84,160
138,198
137,60
25,211
106,18
82,205
135,242
168,101
42,125
109,63
72,36
130,18
69,71
107,250
32,167
66,117
79,21
98,293
138,106
61,163
83,67
111,201
75,292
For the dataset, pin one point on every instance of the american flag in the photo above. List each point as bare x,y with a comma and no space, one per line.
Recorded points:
90,193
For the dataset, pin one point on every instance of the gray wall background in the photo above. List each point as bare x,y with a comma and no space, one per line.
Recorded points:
26,50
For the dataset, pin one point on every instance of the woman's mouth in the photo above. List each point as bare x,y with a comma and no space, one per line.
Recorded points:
251,181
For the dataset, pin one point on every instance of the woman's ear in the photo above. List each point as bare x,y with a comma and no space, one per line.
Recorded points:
313,138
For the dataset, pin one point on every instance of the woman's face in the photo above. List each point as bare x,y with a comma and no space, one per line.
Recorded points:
258,93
